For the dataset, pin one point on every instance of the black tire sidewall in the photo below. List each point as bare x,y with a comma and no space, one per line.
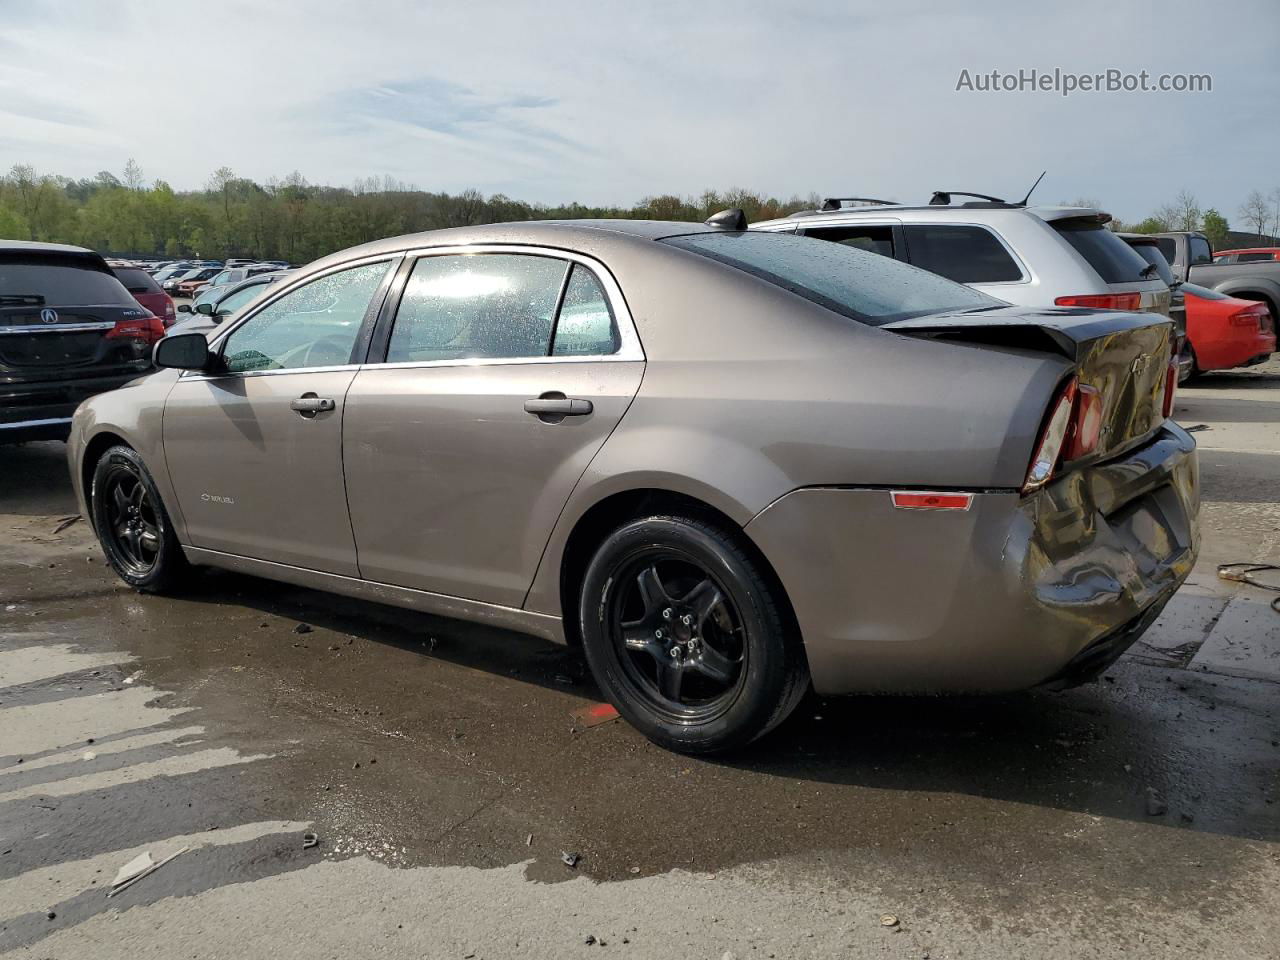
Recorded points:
169,559
765,683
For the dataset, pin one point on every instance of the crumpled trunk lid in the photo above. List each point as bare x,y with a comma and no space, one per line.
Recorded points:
1124,356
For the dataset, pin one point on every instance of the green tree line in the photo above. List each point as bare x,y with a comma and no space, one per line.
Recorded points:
290,218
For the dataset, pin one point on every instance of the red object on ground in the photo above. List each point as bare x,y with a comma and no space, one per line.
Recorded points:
595,714
1227,332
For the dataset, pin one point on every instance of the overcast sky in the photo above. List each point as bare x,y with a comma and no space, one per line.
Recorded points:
606,102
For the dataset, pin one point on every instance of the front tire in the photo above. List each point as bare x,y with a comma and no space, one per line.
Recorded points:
132,524
688,637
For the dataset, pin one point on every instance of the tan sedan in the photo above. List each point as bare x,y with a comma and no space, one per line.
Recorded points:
726,463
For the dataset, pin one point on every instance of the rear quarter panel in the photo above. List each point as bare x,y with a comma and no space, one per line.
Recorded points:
751,392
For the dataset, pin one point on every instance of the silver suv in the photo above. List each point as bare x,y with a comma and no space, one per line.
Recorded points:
1031,256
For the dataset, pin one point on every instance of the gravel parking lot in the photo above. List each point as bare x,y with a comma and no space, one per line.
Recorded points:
445,773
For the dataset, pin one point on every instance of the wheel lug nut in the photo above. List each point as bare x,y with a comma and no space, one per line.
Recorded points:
686,619
666,614
658,634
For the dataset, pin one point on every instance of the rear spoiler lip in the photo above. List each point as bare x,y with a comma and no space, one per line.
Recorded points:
1068,328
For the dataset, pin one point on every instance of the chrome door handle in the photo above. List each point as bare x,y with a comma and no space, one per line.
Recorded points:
308,405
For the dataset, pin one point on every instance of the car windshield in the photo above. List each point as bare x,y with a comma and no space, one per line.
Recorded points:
864,286
59,282
136,280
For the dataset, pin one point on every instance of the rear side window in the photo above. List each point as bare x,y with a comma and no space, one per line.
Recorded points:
136,281
860,285
58,282
468,306
1199,248
1111,258
585,326
873,239
965,254
1254,257
1169,247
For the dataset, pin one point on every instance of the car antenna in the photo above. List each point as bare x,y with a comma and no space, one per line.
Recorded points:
1033,188
731,219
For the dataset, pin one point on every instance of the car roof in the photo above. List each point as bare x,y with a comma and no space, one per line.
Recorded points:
32,246
568,234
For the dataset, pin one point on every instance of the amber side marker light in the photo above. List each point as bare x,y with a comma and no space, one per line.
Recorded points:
931,500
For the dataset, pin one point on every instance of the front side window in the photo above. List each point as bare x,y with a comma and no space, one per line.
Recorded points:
316,325
965,254
860,285
482,305
873,239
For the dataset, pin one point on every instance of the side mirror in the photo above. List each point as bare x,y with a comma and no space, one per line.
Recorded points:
205,308
185,351
184,308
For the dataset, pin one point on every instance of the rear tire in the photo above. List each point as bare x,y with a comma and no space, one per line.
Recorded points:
132,524
687,637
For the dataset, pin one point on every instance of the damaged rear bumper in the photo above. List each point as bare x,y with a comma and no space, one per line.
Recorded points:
1014,592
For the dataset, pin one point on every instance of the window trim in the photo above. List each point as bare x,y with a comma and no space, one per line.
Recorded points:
394,263
629,349
1017,261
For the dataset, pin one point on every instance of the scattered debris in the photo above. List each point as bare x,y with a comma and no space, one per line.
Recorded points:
528,841
595,714
589,940
634,870
888,920
147,868
570,860
1197,427
1247,573
50,915
302,628
89,755
66,522
565,679
1156,804
310,840
9,608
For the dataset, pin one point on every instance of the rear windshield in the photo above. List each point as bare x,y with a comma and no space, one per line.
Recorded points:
1112,258
861,285
136,280
1151,253
59,283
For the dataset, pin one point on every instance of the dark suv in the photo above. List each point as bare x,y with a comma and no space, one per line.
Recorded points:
68,329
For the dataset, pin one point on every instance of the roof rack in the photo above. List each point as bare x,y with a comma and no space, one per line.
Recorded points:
834,203
942,198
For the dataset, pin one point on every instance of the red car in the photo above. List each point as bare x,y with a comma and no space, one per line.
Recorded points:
1225,332
1247,255
147,292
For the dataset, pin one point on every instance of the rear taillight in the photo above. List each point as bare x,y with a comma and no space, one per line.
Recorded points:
1071,432
142,329
1052,438
1102,301
1249,317
1086,423
169,310
1170,388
